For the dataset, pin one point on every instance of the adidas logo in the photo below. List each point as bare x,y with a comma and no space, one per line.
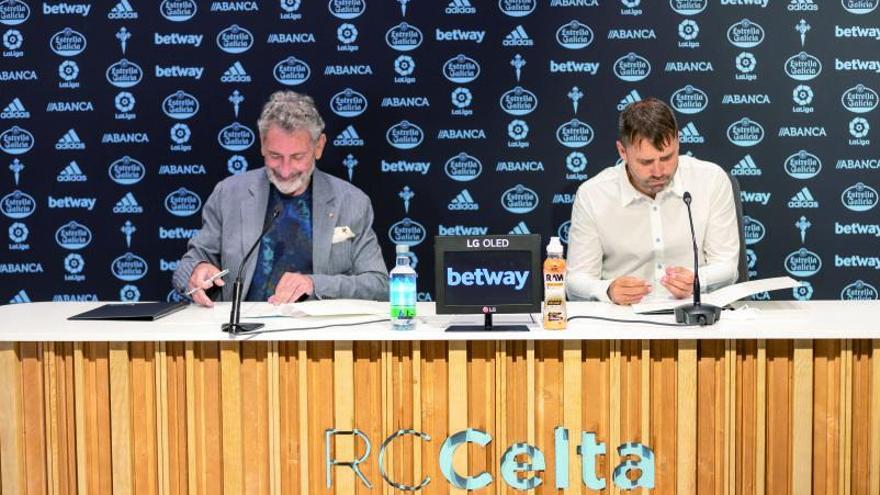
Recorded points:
632,97
690,135
235,73
15,110
20,298
70,141
72,173
802,5
803,199
746,166
520,229
463,202
122,10
518,37
348,137
460,7
128,204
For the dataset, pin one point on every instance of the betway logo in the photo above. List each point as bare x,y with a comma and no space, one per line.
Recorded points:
177,233
857,64
571,66
402,166
754,197
857,32
178,71
483,276
177,39
857,228
67,9
461,230
856,261
459,35
71,202
756,3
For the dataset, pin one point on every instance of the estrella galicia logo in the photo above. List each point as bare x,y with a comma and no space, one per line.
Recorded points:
178,10
859,99
347,9
859,7
745,132
461,69
348,103
124,74
517,8
68,43
16,141
236,137
404,37
18,205
632,67
688,7
73,235
235,39
803,67
803,263
803,165
574,35
574,134
14,12
518,101
183,203
745,34
754,230
291,71
463,167
519,199
859,197
180,105
129,267
408,232
859,291
126,171
404,135
689,100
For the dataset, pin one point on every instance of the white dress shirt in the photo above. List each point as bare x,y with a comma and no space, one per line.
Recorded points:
617,230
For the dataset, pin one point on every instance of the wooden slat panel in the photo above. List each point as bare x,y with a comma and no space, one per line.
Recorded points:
745,419
614,406
779,379
481,409
12,466
120,418
209,411
845,462
33,414
517,393
319,379
401,469
435,411
596,405
711,382
686,424
826,416
761,419
861,417
368,413
802,418
343,411
174,376
458,408
143,405
663,414
253,416
572,409
875,417
290,450
230,383
549,397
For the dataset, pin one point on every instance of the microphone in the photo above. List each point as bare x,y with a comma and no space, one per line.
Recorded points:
234,327
696,313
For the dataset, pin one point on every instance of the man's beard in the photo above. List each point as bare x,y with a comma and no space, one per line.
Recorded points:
290,186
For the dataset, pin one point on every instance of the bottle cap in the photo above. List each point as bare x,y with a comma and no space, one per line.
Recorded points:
554,247
401,248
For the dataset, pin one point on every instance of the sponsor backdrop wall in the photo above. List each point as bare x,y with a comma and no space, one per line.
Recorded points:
456,117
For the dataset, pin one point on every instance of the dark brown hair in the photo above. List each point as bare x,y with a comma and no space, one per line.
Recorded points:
649,119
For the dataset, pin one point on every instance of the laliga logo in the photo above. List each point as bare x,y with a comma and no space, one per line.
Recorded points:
517,8
745,132
688,7
17,205
73,235
745,34
129,267
461,69
129,293
236,137
574,134
348,103
180,105
859,7
68,43
519,199
803,165
859,291
235,39
14,12
408,232
632,67
463,168
574,35
126,171
803,67
291,71
124,74
689,100
347,9
16,141
859,197
183,203
178,10
404,135
563,231
404,37
518,101
754,230
859,99
803,263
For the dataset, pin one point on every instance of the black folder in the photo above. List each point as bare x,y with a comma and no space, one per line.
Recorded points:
131,311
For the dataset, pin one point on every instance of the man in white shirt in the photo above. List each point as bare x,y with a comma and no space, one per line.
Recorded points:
630,238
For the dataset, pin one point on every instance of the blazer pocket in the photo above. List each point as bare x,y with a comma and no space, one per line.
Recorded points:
340,257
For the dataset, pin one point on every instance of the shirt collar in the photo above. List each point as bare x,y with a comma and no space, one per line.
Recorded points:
629,194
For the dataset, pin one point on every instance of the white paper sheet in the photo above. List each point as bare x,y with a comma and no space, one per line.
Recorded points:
724,296
326,307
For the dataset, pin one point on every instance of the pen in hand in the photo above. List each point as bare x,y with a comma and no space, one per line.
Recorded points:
209,279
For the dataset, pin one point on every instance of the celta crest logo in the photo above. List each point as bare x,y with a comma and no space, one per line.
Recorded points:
347,9
859,197
291,71
803,263
688,7
16,141
754,230
803,67
126,171
129,267
574,134
745,34
14,12
860,7
574,35
236,137
859,99
235,39
463,167
518,101
859,291
178,10
180,105
183,203
408,232
404,37
519,199
73,235
689,100
348,103
68,43
17,205
404,135
632,68
517,8
803,165
124,74
745,132
461,69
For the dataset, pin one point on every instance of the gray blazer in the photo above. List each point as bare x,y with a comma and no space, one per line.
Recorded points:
233,217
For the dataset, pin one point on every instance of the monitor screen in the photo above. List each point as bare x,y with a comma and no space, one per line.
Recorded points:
497,274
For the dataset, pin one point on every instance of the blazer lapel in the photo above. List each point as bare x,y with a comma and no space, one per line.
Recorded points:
323,221
253,214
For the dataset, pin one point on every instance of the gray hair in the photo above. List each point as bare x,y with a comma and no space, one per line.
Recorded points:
291,112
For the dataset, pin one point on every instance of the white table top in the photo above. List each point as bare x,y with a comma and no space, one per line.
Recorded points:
47,322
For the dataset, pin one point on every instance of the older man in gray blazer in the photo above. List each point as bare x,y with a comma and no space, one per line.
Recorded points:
321,244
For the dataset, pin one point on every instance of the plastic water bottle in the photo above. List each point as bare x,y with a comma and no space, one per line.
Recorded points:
402,283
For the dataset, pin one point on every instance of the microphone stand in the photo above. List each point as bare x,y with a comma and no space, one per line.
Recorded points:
234,327
696,313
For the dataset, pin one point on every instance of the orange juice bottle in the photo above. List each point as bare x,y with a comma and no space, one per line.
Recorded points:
554,287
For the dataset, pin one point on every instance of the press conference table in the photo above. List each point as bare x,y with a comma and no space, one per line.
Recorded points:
780,397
